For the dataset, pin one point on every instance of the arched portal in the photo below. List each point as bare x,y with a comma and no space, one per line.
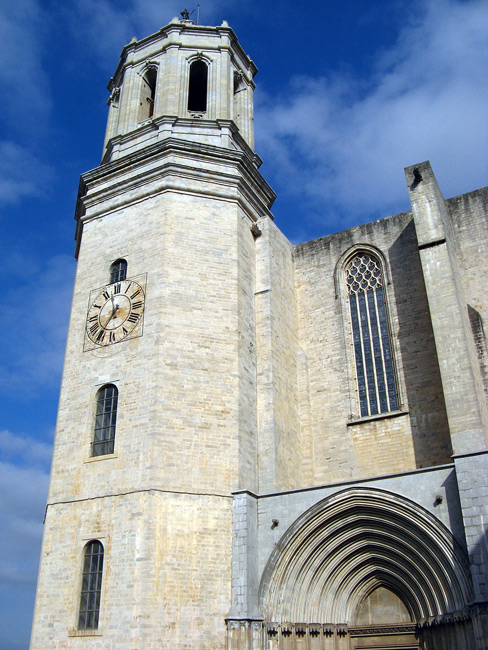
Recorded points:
367,568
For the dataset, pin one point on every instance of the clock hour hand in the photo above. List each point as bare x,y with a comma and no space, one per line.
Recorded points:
114,308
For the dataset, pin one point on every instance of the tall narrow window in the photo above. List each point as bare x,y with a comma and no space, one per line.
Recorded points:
105,419
197,90
372,348
118,271
148,91
91,586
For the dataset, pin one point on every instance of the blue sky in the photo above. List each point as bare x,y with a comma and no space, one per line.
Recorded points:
348,94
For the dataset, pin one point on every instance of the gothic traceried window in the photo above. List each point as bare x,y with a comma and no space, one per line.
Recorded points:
372,348
91,586
105,420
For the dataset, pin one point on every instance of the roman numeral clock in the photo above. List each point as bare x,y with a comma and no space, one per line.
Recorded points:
115,313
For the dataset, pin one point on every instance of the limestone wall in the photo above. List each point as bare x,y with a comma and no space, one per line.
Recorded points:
342,444
280,456
439,253
167,562
179,382
186,420
469,218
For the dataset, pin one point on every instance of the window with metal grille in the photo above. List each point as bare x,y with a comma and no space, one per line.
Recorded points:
105,420
118,271
374,363
91,586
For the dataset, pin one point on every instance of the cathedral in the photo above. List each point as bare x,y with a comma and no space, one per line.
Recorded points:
260,445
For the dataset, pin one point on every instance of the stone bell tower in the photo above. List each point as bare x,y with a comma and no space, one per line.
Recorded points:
157,415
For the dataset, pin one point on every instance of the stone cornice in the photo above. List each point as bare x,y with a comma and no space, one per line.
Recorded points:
375,630
167,126
178,29
481,452
176,165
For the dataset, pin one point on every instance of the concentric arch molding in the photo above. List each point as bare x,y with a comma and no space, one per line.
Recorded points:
340,550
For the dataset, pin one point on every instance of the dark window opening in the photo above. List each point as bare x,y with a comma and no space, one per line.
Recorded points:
118,271
146,106
238,81
91,586
105,421
197,90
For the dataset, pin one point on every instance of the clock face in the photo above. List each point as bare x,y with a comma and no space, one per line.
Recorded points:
115,313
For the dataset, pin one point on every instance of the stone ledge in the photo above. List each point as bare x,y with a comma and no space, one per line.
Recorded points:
84,633
379,416
481,452
93,459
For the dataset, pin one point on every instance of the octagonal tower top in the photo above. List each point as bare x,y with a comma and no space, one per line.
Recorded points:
187,81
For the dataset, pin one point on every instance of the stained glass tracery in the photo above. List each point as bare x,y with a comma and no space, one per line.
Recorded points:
372,348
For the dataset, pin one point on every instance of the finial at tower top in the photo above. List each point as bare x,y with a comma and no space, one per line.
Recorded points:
185,14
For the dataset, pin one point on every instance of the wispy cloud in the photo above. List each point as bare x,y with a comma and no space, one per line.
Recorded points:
26,97
25,451
23,494
26,101
22,173
108,25
345,140
24,478
42,318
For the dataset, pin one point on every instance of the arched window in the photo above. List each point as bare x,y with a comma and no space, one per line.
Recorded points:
105,419
197,90
238,77
372,348
148,91
91,586
118,271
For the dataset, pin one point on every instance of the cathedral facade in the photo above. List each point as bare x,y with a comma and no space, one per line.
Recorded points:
260,446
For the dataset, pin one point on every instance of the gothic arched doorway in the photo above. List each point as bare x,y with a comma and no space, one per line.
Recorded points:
366,568
383,620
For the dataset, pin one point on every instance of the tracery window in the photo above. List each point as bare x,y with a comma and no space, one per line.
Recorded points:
118,271
105,420
372,348
91,586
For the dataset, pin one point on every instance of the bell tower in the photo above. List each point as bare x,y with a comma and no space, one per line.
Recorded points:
157,421
187,81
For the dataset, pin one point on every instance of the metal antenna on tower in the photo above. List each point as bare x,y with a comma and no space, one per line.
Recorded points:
198,14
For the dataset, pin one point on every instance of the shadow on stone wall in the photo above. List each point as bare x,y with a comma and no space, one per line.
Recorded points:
421,374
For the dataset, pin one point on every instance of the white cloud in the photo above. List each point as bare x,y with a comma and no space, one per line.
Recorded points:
26,99
22,174
23,495
345,141
24,478
108,25
39,305
24,450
